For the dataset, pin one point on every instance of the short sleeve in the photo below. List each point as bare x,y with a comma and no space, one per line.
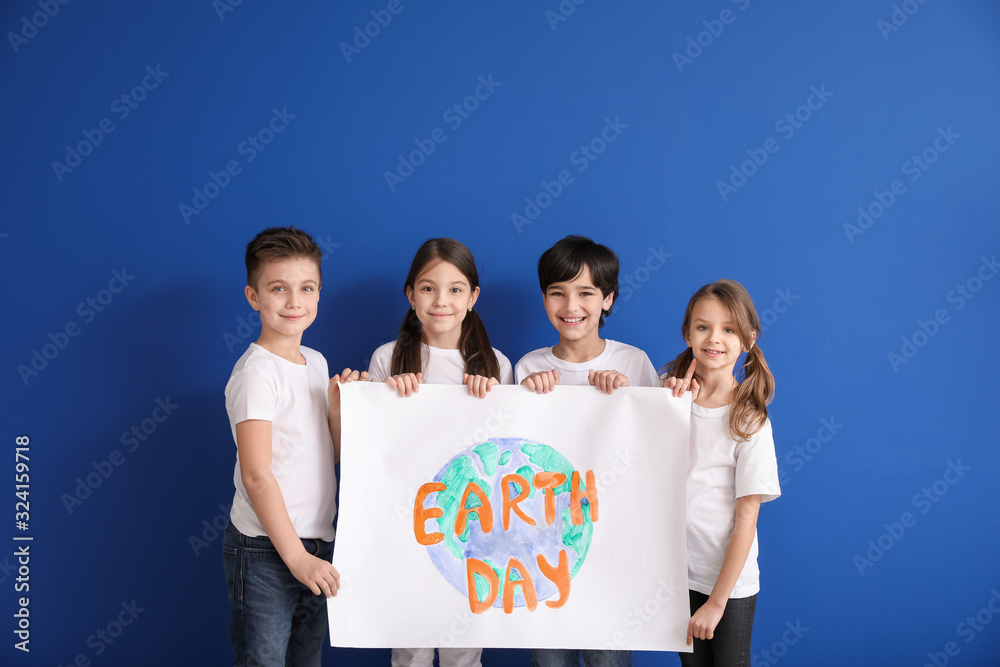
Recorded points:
649,376
757,466
251,393
378,368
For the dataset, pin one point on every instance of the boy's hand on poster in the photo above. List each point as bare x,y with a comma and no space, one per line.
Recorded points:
333,390
542,382
478,384
681,385
704,621
607,381
406,384
319,575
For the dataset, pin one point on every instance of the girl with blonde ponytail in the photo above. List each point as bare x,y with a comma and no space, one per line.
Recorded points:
731,468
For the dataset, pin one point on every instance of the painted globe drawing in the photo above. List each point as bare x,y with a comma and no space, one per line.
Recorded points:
522,522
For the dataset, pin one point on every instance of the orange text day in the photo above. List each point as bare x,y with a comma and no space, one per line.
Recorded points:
544,481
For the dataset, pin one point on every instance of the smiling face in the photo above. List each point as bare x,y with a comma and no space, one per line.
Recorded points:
286,296
574,307
441,296
712,336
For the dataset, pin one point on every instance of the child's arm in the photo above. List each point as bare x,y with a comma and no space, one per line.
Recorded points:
542,382
333,391
704,620
253,444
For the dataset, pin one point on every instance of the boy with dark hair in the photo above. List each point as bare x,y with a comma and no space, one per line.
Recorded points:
284,411
579,281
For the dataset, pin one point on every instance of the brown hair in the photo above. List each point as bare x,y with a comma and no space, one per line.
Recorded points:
279,243
748,408
473,343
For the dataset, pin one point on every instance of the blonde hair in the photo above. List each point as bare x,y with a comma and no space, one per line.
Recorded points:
748,407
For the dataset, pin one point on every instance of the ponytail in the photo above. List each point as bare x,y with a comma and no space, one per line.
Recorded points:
748,409
474,344
406,354
480,359
679,366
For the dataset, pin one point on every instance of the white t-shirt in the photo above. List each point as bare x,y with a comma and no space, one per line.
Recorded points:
720,470
616,356
439,366
293,397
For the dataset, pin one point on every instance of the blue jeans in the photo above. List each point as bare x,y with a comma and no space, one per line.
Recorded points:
275,619
730,644
563,657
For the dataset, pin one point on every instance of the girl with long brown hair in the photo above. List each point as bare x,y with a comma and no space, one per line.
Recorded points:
442,341
732,468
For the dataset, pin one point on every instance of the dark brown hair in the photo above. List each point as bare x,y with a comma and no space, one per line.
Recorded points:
473,343
566,259
279,243
748,408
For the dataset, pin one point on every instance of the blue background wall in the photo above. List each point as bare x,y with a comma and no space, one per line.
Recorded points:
883,548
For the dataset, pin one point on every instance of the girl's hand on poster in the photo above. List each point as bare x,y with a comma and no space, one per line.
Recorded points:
406,384
478,384
681,385
542,382
607,381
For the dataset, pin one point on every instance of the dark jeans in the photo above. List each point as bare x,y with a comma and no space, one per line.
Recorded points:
275,619
560,657
730,645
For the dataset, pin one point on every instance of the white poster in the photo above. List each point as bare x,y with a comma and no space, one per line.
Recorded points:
564,511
